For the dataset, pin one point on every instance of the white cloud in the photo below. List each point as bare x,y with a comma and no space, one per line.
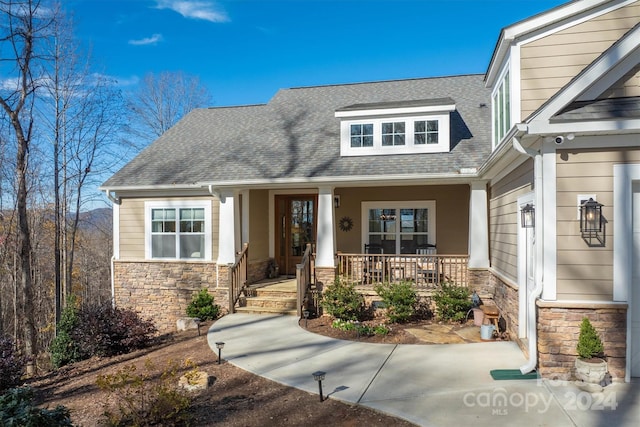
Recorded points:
195,9
154,39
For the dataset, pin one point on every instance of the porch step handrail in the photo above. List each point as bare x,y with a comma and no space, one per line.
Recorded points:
303,278
238,274
426,271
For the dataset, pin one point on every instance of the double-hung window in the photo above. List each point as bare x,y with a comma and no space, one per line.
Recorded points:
178,230
362,135
392,133
399,227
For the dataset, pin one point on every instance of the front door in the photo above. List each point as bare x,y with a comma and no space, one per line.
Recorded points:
295,227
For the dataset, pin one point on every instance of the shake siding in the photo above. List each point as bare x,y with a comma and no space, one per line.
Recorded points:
132,225
583,272
503,218
549,63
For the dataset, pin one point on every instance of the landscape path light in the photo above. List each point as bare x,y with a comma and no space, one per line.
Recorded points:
319,376
219,346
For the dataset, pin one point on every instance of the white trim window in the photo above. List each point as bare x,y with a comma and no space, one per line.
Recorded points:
399,227
178,230
501,100
406,128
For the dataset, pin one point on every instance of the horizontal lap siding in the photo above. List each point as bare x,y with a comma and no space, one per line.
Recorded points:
503,218
132,238
549,63
584,272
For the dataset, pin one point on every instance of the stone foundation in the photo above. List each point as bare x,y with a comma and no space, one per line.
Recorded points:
505,297
559,328
480,280
325,276
161,291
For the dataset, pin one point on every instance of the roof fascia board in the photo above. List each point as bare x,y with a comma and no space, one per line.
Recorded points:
588,126
543,24
396,111
622,53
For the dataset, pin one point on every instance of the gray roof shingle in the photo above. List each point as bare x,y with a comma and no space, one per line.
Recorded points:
297,136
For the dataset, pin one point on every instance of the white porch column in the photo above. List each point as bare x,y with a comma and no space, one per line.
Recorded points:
227,229
244,233
478,226
325,246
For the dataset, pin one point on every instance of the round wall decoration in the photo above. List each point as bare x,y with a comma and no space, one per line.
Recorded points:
346,223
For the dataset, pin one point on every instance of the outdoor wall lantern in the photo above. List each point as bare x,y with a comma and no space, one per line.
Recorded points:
591,221
319,376
219,346
528,216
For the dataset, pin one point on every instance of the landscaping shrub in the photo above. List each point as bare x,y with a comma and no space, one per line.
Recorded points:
203,306
401,300
589,343
98,330
17,409
64,348
342,301
452,302
107,331
12,365
136,399
361,329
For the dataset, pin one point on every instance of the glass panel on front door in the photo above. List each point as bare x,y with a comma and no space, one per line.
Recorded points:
301,225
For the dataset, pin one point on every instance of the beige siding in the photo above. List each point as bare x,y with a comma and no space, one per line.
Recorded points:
452,214
584,272
503,218
549,63
132,225
258,224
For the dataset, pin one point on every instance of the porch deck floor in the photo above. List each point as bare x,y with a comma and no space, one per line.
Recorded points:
282,283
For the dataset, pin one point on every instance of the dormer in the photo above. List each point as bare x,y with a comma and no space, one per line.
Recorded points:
406,127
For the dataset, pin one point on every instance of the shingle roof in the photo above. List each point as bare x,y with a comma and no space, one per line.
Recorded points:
600,109
297,136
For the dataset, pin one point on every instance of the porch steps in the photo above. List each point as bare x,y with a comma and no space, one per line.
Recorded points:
272,297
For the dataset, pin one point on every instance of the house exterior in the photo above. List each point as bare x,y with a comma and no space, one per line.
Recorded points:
449,162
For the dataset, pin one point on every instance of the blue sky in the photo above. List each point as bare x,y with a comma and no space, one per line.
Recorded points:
245,50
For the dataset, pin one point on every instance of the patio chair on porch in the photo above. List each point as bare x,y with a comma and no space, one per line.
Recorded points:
374,266
428,266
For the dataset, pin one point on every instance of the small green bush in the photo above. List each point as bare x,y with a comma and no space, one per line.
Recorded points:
203,306
589,343
17,409
12,365
401,300
64,348
342,301
137,399
452,302
364,330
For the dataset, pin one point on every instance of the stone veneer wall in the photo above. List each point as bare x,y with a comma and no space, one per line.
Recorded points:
479,280
505,297
162,290
559,328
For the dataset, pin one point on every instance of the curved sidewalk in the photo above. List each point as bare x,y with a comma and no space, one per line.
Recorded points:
430,385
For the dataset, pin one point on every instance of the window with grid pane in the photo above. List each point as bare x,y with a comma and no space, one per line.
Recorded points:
393,133
178,233
425,132
400,227
362,135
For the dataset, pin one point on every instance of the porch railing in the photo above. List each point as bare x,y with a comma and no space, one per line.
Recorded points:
425,271
303,278
238,274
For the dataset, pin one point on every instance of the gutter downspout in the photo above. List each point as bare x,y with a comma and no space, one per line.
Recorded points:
532,332
116,201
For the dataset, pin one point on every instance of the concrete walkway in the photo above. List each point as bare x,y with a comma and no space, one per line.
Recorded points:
429,385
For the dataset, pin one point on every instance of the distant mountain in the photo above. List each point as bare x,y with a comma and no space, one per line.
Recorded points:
97,219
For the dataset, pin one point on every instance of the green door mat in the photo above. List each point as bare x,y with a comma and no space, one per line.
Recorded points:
512,374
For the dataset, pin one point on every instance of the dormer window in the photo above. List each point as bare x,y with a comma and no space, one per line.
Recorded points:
395,128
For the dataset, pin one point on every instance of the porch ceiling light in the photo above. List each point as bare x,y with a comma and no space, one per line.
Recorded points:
591,217
528,216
